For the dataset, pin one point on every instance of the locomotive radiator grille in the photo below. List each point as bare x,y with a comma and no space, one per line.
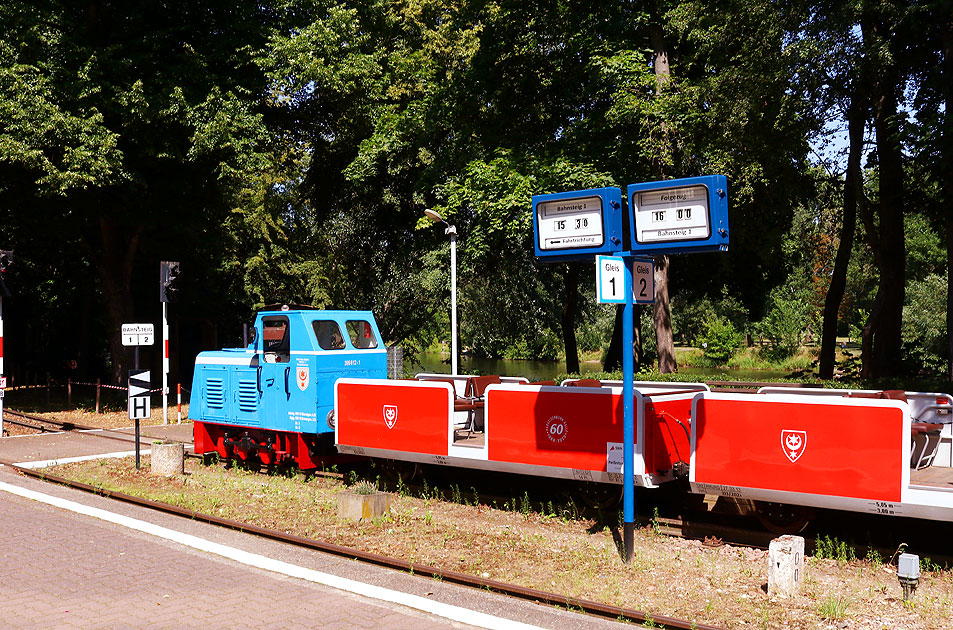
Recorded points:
215,393
247,396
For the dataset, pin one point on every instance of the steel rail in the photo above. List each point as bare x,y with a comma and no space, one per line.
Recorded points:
65,426
109,434
521,592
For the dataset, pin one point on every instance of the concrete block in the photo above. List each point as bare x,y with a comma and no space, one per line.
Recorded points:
786,565
167,459
363,507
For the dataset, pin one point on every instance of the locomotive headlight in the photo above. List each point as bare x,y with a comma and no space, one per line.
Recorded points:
331,419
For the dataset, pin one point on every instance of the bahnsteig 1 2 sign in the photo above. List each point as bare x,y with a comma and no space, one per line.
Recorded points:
577,225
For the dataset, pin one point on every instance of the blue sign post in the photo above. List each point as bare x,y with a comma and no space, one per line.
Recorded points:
668,217
628,417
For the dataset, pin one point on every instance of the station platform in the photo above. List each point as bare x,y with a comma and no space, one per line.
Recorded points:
50,446
74,560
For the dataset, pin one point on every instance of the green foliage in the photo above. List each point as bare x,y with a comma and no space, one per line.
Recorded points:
691,319
924,325
832,548
925,252
833,607
720,340
364,488
785,324
285,152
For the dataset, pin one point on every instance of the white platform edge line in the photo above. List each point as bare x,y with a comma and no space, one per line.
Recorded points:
448,611
84,458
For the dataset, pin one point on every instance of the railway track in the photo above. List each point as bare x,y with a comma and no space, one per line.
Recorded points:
42,425
713,533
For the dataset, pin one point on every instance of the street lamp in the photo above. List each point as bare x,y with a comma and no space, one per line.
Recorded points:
452,231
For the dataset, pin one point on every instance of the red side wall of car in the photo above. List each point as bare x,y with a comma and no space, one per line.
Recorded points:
560,427
420,423
843,448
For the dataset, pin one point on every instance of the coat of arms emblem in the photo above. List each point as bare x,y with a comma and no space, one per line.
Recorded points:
303,377
390,415
793,444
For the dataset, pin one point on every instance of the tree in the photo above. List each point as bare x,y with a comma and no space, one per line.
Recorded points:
882,333
131,127
933,64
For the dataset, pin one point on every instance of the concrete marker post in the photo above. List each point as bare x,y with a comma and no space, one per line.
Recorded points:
785,565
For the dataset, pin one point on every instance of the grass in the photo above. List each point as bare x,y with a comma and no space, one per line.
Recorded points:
834,607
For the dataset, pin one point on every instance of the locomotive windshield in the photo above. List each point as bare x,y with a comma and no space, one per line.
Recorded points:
275,338
361,333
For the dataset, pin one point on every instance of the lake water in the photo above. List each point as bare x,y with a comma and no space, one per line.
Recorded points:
439,363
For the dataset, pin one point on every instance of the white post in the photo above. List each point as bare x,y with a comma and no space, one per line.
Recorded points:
165,363
452,231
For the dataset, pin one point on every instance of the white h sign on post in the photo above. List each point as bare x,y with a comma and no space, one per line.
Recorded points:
139,408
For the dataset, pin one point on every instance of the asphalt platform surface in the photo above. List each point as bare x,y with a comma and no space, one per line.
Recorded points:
74,560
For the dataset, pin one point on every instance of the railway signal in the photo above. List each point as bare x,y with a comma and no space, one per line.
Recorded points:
168,292
6,259
677,216
168,281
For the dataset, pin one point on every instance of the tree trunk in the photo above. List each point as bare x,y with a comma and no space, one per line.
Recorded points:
613,360
884,356
661,311
115,273
856,118
662,319
571,280
946,139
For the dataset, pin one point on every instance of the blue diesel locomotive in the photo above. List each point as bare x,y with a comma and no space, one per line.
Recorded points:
274,400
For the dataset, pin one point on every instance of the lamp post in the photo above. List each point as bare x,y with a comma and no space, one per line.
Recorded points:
452,231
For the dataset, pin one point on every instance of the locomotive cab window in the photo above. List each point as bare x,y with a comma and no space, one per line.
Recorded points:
275,339
361,333
329,334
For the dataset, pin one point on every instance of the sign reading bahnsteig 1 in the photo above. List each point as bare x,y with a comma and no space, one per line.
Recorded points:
577,225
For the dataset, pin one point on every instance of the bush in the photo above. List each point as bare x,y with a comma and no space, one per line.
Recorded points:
721,340
924,325
784,325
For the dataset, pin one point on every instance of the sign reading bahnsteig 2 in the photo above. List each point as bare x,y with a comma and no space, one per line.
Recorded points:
679,216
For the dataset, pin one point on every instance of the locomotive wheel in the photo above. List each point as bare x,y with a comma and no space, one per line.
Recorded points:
600,496
781,518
